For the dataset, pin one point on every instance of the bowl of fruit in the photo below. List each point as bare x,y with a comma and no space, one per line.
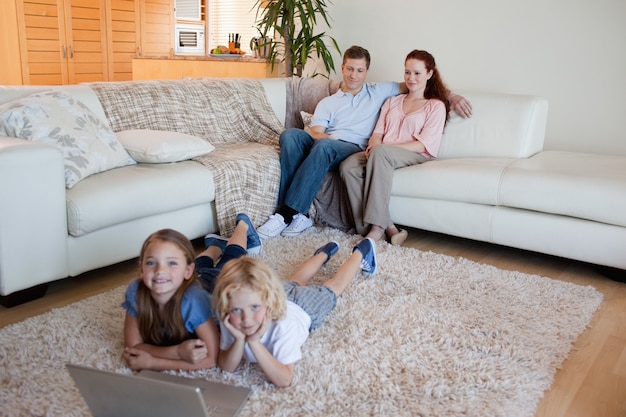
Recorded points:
222,51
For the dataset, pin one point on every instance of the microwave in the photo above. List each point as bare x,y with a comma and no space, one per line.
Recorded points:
189,39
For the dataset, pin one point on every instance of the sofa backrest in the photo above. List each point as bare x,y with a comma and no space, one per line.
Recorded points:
275,89
82,92
303,94
220,110
502,126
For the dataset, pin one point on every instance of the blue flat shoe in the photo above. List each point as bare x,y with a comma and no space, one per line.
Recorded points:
367,247
215,240
253,242
329,249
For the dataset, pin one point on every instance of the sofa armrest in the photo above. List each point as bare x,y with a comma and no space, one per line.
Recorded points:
32,215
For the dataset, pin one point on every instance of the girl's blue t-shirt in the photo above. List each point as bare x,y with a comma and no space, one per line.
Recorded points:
195,305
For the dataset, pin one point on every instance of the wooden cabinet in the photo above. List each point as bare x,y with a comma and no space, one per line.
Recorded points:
10,70
135,28
177,67
123,38
62,41
156,27
74,41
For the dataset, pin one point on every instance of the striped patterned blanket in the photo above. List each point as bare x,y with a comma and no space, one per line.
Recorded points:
234,115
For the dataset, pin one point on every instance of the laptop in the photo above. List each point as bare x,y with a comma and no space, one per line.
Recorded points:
155,394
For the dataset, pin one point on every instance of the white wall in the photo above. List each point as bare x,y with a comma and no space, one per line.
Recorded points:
572,52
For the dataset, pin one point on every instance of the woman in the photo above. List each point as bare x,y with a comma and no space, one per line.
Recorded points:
408,132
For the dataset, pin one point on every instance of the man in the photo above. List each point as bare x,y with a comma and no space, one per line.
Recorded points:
341,126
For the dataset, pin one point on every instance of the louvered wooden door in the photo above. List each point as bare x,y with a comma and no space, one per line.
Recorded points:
123,37
157,27
63,41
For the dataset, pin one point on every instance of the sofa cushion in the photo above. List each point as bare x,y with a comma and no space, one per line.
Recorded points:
134,192
586,186
501,126
57,118
158,146
469,180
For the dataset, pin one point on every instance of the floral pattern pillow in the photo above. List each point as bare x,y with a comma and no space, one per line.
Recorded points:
55,117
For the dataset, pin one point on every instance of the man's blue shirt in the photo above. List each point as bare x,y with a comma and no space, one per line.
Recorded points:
352,118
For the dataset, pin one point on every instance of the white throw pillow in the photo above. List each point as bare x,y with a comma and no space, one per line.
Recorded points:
157,146
306,120
55,117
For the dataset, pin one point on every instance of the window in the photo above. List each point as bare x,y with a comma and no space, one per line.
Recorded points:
231,16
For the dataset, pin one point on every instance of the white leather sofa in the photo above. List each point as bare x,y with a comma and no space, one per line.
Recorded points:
492,183
49,232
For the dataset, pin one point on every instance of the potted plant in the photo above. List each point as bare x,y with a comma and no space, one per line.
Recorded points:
261,45
294,21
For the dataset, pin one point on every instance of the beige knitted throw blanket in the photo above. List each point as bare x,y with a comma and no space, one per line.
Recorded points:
232,114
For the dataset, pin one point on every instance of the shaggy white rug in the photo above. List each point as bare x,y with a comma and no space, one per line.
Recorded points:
428,335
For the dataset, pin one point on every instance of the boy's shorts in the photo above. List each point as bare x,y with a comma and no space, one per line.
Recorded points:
316,300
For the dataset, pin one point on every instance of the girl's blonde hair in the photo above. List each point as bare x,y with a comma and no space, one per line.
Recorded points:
163,328
247,272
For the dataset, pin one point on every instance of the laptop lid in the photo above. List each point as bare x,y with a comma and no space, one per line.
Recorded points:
153,394
217,396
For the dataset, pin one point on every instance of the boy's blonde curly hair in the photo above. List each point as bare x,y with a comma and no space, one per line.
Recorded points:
247,272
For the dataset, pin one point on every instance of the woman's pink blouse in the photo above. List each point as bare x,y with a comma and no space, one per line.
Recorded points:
425,124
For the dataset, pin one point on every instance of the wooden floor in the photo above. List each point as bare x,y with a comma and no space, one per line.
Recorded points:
591,382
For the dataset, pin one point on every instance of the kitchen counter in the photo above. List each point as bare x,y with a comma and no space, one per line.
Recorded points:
179,66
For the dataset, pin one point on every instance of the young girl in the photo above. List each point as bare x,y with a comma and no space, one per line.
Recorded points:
168,322
266,320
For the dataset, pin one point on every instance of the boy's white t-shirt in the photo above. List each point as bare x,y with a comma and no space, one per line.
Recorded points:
283,339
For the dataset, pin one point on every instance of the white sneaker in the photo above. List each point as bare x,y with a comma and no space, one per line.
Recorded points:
298,225
272,227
